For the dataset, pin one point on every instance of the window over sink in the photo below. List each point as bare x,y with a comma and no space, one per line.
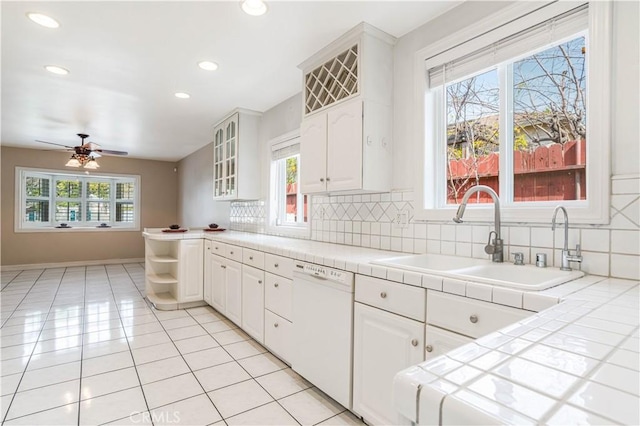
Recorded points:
523,109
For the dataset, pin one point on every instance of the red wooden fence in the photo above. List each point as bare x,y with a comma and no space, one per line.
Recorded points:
553,172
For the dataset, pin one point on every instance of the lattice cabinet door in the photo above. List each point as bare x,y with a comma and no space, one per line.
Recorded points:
231,149
334,80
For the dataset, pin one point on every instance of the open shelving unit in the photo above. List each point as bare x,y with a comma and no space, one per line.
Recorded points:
161,273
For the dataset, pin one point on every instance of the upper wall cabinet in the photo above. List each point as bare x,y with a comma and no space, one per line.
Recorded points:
236,166
346,129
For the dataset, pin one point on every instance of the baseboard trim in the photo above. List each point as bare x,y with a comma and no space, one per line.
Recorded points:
31,266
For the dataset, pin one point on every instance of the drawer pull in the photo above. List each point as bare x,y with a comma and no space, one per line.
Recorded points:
276,285
250,257
414,342
383,295
473,318
222,266
259,281
429,348
275,265
231,252
275,324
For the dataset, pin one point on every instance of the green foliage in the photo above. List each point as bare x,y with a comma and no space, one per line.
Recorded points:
292,170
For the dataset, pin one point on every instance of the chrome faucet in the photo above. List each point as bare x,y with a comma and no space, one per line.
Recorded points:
567,257
494,247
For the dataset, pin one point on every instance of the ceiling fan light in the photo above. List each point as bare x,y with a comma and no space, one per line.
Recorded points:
254,7
92,164
73,162
56,70
42,19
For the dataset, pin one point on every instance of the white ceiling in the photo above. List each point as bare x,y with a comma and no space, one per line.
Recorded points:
127,59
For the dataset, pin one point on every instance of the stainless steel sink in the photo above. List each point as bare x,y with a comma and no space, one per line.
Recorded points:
524,277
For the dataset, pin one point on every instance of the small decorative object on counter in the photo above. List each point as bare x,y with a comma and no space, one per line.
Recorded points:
63,225
174,226
213,225
103,225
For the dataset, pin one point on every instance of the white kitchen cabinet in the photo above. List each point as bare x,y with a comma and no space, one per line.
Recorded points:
278,335
439,342
218,283
233,291
226,287
174,273
253,302
236,166
190,271
345,134
384,344
207,278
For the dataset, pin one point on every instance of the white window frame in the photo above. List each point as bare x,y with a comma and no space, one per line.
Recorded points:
20,225
276,192
519,17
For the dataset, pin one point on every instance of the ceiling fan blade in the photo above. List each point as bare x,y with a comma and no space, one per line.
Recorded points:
94,154
92,146
110,152
59,144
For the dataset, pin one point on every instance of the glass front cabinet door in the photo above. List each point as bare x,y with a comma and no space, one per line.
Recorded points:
232,180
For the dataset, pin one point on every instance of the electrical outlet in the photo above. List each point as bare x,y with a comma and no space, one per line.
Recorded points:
402,219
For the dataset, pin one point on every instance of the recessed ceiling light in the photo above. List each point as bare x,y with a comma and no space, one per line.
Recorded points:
254,7
56,70
207,65
44,20
182,95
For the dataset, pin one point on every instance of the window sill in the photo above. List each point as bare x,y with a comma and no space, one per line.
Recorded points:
75,229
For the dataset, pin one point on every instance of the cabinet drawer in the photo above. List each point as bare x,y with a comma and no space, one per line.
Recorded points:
278,335
218,248
234,253
253,258
439,341
470,317
278,295
278,265
397,298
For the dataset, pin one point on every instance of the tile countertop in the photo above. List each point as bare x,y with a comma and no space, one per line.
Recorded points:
576,362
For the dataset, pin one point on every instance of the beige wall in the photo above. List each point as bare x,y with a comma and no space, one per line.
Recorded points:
159,200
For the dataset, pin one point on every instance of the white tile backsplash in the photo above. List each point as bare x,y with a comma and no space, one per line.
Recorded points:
368,220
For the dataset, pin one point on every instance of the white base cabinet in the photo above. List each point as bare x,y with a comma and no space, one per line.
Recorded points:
439,342
384,344
226,287
253,302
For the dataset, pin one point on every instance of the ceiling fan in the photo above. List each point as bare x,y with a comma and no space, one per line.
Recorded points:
86,153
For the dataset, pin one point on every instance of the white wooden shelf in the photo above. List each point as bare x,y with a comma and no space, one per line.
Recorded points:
163,259
162,278
163,301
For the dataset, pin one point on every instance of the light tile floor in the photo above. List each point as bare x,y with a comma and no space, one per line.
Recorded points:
81,346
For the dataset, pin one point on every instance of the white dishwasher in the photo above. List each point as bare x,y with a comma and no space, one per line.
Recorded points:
323,329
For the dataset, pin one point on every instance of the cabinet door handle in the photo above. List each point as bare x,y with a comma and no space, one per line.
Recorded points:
414,342
259,281
223,267
473,318
275,324
429,348
383,295
231,252
275,265
321,179
250,257
328,179
276,285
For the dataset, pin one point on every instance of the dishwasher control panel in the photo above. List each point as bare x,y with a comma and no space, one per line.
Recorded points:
326,273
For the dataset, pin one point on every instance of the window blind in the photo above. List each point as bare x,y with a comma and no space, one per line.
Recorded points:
538,36
285,149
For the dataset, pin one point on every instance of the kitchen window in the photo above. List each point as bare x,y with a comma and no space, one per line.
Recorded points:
288,207
517,109
47,200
